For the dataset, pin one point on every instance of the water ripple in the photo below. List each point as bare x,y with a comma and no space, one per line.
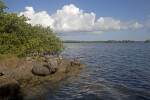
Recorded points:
118,71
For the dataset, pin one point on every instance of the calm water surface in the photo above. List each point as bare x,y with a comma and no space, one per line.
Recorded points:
114,71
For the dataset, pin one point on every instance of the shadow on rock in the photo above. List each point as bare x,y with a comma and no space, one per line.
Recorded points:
10,90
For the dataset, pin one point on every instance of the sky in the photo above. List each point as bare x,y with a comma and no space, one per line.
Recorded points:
88,20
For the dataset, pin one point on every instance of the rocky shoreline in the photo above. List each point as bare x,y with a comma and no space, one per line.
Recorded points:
14,81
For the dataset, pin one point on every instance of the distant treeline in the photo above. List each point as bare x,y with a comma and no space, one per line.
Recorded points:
109,41
147,41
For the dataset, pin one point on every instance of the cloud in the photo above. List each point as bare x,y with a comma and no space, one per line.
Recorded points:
111,24
38,18
71,19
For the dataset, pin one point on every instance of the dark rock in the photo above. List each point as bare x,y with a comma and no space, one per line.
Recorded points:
40,70
52,65
1,71
1,74
9,89
52,70
77,63
18,72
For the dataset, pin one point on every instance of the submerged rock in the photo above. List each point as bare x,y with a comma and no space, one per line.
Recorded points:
77,63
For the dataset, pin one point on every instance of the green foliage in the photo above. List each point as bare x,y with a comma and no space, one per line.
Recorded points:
22,39
2,6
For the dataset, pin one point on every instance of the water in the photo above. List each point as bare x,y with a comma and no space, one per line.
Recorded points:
114,71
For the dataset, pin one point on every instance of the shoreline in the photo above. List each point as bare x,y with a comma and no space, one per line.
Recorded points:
109,41
15,81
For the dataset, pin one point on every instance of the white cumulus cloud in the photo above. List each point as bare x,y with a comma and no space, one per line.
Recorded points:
71,19
38,18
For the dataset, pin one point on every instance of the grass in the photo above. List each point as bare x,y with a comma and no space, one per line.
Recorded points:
9,60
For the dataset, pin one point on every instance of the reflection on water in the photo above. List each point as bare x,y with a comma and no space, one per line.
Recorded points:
118,71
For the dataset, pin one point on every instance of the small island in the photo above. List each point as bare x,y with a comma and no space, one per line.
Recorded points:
29,56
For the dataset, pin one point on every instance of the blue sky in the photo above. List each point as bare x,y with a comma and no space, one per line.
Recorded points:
89,19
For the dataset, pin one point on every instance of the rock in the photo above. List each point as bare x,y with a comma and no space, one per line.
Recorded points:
18,72
72,70
63,65
48,57
82,65
60,57
1,74
3,70
5,81
66,61
59,61
28,59
40,70
29,73
52,70
42,58
32,73
9,89
75,62
52,63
